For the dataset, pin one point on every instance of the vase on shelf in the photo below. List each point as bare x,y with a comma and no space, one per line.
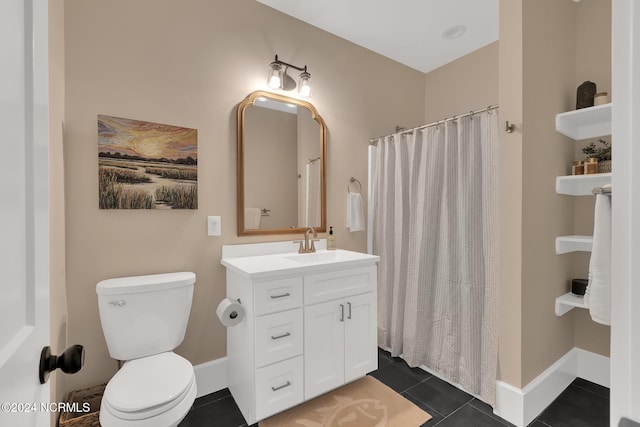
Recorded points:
604,166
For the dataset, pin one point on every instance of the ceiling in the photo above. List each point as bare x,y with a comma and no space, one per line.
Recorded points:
411,32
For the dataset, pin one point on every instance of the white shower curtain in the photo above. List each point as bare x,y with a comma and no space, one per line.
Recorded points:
435,229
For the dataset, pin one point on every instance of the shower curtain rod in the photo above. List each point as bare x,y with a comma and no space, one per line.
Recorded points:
373,141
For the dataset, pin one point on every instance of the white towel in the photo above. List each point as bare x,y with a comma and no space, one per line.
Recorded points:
252,218
355,213
598,294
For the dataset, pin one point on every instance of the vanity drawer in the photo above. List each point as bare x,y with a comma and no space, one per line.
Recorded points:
278,387
339,284
278,336
277,295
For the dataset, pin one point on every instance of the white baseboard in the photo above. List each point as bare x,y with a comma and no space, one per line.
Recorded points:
521,406
211,376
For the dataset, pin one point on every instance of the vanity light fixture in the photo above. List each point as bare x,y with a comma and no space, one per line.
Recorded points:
279,79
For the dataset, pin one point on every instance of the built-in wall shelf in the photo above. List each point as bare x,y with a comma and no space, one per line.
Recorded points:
566,244
589,122
581,185
568,302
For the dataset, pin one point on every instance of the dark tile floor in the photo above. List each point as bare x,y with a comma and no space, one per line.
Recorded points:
582,404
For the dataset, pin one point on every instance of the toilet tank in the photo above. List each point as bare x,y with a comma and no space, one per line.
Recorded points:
145,315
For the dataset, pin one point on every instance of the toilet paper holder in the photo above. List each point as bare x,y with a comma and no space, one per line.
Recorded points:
230,312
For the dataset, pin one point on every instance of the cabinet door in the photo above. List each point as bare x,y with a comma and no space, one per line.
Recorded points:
361,347
323,347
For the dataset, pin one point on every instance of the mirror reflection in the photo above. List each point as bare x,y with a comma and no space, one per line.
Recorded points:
281,165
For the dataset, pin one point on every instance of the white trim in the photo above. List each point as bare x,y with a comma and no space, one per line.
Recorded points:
211,376
520,407
593,367
625,237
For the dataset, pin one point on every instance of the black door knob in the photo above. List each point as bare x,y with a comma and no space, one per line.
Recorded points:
70,361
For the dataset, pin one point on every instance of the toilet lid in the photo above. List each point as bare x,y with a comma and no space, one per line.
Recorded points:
150,381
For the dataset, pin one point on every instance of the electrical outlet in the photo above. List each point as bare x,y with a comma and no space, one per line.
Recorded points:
214,225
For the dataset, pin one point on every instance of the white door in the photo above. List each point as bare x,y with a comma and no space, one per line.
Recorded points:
323,347
625,273
24,223
360,336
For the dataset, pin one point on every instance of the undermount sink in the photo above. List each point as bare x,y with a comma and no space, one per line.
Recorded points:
315,257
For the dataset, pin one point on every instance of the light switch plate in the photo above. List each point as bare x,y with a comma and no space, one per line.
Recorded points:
214,225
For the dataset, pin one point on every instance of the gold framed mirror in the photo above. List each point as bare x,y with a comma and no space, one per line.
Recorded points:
281,166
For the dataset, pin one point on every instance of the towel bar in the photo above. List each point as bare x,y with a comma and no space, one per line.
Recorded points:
601,190
351,181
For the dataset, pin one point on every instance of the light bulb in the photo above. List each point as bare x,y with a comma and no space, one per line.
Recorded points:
304,85
275,80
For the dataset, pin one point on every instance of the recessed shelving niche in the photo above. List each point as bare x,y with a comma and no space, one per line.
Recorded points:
567,302
585,123
581,185
590,122
566,244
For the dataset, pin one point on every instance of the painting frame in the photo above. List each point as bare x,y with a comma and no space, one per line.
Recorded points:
146,165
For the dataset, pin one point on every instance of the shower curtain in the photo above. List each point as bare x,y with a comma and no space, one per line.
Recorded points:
435,229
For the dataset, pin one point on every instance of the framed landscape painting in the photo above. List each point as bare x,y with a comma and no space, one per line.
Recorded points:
144,165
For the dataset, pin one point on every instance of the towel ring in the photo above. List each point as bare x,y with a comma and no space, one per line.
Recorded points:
351,181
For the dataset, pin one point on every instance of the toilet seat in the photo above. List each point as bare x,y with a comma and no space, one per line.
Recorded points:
149,386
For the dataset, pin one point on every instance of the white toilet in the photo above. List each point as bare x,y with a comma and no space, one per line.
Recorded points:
144,318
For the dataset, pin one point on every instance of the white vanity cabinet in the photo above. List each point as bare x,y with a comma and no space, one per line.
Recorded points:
308,329
340,334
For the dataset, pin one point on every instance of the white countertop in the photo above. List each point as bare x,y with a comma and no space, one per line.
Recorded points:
292,263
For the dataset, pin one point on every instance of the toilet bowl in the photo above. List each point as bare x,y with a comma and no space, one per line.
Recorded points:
144,318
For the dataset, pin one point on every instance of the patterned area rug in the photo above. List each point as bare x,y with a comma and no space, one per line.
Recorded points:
363,403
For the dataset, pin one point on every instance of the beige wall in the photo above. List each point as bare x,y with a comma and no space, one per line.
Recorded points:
544,51
549,47
466,84
190,63
510,197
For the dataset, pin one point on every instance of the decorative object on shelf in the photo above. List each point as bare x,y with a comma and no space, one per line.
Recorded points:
585,95
601,98
604,166
602,153
578,286
591,166
577,168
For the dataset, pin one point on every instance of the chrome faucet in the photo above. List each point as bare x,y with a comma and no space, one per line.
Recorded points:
307,245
